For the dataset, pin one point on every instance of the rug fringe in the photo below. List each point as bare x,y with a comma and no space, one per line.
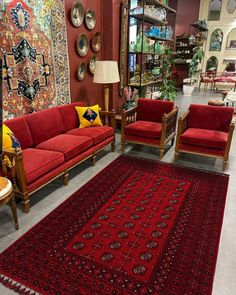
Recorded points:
16,287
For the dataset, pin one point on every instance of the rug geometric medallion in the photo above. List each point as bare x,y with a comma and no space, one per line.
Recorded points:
138,227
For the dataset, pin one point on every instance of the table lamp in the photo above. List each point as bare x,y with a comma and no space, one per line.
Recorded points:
106,72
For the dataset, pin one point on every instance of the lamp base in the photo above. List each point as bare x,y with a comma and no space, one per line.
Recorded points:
106,98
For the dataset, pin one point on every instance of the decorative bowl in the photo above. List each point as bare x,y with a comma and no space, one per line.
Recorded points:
90,19
77,14
82,44
96,42
81,71
92,61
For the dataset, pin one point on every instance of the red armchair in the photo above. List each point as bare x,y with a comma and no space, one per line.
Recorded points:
152,123
205,130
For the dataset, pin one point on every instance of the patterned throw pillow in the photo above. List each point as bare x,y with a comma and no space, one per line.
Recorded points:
9,141
89,116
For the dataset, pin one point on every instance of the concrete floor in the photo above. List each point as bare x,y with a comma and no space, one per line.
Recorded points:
48,198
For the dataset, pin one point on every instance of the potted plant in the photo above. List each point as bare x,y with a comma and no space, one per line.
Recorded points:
168,89
193,70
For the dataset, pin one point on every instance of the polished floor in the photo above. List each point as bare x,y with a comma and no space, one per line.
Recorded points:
48,198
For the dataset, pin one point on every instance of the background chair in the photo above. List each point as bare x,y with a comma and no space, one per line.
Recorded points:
151,123
205,130
206,78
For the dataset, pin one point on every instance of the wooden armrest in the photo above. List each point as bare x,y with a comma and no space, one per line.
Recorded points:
130,112
127,117
182,126
17,170
169,125
13,153
108,118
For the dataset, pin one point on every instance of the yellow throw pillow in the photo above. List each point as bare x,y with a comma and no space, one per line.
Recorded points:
9,141
89,116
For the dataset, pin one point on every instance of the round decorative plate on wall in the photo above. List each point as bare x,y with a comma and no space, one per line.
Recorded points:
96,42
77,14
92,61
82,44
90,19
81,71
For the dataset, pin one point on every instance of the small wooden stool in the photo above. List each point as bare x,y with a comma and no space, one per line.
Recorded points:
7,197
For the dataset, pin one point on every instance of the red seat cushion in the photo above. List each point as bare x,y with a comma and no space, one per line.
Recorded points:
202,137
38,162
97,133
144,129
68,145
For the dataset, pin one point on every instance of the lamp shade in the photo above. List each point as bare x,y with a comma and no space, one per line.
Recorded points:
105,72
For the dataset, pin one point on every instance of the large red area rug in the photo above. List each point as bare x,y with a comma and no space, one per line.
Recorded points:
138,227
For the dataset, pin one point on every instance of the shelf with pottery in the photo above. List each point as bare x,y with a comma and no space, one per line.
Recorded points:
153,37
143,52
138,84
160,4
148,18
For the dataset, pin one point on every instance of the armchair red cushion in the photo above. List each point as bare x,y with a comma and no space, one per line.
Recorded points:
210,117
152,110
144,129
202,137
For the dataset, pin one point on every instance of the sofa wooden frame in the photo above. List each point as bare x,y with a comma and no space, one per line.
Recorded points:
167,133
17,173
182,127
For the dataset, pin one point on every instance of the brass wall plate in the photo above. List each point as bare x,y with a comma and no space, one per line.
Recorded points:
77,14
92,61
82,44
96,42
90,19
81,71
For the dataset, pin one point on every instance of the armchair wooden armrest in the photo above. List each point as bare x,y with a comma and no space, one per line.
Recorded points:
127,117
182,126
108,118
169,125
228,144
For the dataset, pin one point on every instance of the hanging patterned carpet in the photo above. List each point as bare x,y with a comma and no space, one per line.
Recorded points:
35,65
138,227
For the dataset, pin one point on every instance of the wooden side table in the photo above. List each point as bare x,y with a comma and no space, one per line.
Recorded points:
7,197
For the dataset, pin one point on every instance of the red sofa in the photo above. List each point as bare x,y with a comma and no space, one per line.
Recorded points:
51,144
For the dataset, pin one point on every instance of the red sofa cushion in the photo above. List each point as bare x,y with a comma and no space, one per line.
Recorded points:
68,145
153,110
21,130
69,115
202,137
97,133
38,162
210,117
45,124
144,129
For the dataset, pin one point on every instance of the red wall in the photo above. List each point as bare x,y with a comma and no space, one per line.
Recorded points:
108,23
84,90
187,13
